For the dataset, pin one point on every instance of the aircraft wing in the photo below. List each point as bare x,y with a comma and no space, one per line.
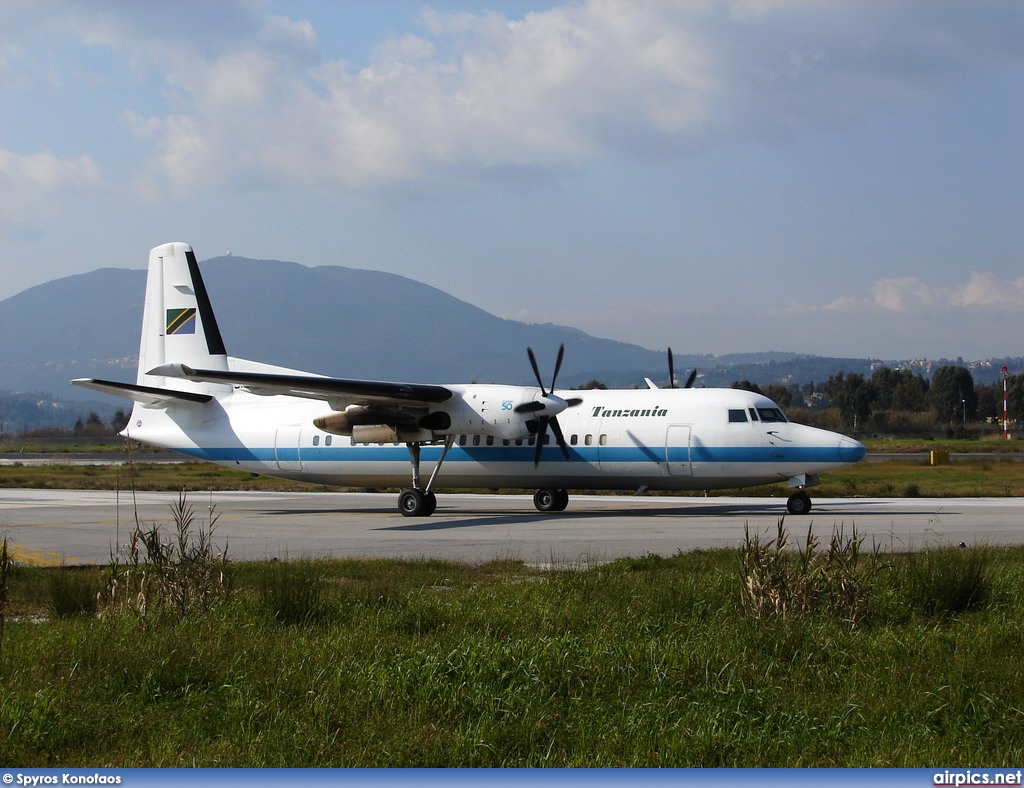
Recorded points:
147,395
337,391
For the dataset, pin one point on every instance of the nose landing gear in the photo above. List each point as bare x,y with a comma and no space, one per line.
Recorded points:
551,500
799,503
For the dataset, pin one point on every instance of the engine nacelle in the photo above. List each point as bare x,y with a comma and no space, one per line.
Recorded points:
343,423
484,410
366,424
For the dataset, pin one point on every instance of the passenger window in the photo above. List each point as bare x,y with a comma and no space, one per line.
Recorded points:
316,440
573,440
476,440
737,416
604,439
327,440
589,440
462,440
490,440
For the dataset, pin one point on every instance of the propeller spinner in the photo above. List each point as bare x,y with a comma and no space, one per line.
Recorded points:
547,407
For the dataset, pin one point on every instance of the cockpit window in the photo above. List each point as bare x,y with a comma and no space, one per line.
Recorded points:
770,415
737,416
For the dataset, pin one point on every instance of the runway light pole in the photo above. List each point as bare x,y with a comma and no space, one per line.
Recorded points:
1006,420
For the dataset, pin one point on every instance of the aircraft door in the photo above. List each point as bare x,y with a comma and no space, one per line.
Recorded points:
677,450
287,452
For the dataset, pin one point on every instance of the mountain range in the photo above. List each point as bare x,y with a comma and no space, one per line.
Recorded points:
342,322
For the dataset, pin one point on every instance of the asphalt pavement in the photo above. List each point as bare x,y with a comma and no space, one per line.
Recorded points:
86,527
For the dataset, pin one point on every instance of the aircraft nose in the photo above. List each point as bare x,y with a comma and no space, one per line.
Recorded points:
851,451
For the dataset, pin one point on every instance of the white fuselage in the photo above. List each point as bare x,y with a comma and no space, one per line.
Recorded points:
661,439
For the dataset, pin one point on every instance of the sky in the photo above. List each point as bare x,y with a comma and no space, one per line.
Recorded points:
833,177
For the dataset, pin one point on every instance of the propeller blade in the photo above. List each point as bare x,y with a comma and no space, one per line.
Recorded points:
529,407
542,430
689,380
560,438
671,370
536,370
558,365
572,402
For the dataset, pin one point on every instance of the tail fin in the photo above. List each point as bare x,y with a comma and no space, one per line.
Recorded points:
178,324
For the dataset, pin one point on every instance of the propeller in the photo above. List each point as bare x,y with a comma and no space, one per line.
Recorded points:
672,374
548,406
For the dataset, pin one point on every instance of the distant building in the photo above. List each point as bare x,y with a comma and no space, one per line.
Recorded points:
818,401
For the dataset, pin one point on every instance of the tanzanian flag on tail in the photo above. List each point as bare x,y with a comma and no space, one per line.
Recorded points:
181,321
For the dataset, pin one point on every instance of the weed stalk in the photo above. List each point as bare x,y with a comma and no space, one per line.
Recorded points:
179,575
5,572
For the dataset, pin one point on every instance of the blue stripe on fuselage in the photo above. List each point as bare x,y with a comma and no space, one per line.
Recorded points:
490,454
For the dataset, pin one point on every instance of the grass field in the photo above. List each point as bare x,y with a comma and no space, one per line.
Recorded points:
820,656
725,658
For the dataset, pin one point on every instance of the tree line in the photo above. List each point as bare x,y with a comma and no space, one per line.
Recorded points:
900,402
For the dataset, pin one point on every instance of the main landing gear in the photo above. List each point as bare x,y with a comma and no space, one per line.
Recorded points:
799,503
419,501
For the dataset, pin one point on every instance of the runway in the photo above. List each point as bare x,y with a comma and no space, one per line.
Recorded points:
51,527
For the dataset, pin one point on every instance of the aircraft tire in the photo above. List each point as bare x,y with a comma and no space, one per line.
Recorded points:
416,503
799,503
547,499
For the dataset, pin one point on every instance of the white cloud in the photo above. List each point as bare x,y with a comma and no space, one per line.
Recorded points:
45,172
474,92
983,290
986,290
33,189
904,294
31,184
545,90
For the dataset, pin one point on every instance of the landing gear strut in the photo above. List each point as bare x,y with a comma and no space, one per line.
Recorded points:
418,501
551,500
799,503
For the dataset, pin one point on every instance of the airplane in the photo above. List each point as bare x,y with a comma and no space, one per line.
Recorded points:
192,397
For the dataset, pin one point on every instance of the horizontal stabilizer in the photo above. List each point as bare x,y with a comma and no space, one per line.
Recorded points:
310,386
147,395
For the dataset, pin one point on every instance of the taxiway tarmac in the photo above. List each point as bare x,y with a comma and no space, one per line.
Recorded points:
52,527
